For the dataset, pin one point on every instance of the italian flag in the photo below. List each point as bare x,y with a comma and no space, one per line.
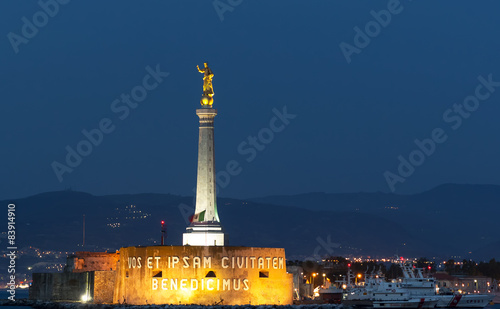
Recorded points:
199,217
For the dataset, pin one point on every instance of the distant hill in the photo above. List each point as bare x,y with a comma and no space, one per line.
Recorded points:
451,218
448,220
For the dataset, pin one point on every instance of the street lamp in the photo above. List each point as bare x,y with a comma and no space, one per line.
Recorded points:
324,276
358,277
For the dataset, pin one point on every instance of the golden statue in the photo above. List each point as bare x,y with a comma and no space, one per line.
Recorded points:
208,90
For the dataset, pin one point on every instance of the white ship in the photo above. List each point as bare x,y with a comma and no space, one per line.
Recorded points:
411,291
417,285
379,293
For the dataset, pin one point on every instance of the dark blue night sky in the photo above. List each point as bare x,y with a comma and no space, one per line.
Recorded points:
350,123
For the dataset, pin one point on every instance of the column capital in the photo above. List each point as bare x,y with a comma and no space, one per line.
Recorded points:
206,112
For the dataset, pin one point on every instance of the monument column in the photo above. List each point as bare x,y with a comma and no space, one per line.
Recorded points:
206,202
205,228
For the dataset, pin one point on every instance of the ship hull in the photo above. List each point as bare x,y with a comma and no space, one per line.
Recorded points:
464,301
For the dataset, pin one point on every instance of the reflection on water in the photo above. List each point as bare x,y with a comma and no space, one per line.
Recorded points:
20,294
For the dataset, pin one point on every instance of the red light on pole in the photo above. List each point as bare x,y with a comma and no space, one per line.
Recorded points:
162,232
349,265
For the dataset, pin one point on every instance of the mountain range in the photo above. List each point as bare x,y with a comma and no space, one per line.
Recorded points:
449,220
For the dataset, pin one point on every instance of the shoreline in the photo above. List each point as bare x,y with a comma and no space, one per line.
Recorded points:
78,305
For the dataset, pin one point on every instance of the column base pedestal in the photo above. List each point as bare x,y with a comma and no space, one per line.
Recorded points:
204,234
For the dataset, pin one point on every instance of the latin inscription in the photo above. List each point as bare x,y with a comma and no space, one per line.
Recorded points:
205,262
214,284
246,262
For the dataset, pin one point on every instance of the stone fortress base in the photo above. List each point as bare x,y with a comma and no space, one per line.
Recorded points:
204,275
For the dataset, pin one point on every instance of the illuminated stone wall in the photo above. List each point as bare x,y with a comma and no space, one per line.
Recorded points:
202,275
104,283
91,261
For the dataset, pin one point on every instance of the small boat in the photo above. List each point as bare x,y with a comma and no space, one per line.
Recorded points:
332,294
